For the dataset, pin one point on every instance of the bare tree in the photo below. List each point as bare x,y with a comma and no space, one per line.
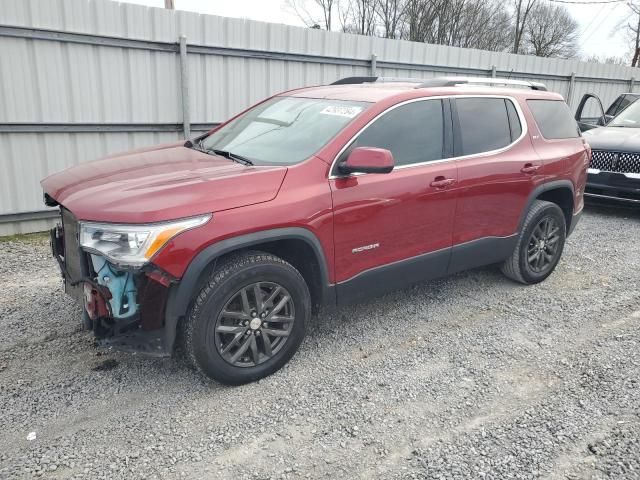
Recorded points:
483,25
421,19
462,23
522,10
432,21
633,28
530,27
390,14
358,16
302,9
551,32
612,60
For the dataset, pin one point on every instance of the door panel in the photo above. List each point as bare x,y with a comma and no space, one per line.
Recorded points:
590,113
394,229
493,191
380,219
493,187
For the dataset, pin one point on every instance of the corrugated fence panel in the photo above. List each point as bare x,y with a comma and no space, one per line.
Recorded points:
52,82
29,157
87,78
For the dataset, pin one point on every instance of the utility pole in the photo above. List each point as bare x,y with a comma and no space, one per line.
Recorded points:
169,4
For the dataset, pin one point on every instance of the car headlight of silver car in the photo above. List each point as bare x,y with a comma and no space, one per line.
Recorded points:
133,245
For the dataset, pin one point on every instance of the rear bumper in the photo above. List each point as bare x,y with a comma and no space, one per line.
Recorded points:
619,187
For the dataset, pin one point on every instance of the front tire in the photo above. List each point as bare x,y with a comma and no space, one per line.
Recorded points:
248,320
540,244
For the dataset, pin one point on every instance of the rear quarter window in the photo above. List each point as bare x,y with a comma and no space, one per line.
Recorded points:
554,119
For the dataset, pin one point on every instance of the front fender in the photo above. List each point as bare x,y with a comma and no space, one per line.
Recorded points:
182,293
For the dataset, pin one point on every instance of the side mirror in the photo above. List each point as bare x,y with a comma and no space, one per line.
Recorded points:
367,160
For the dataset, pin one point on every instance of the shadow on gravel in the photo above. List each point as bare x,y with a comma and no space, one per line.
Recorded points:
414,300
105,366
611,209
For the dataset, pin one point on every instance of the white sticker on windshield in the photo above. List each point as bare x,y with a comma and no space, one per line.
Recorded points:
342,110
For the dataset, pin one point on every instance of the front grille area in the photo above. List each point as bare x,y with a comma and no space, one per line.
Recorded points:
72,252
619,162
74,260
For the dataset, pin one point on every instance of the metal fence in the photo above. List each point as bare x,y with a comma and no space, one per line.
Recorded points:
80,79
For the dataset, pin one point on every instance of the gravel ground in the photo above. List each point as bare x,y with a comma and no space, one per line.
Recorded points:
468,377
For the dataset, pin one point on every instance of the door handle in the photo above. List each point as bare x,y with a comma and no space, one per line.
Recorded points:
530,168
442,182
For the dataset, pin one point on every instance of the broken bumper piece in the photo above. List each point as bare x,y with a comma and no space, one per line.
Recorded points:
125,308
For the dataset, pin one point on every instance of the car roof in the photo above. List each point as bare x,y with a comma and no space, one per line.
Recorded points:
376,92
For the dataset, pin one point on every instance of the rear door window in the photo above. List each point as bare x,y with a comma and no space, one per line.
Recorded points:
554,119
484,124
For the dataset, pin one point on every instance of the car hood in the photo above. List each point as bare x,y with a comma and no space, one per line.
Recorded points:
162,183
619,139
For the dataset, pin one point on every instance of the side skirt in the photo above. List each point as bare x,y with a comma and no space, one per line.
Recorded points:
429,266
393,276
481,252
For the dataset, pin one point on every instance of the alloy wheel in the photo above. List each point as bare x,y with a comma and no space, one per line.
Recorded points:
542,248
254,324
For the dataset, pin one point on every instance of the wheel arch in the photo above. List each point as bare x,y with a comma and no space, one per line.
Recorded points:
560,192
296,245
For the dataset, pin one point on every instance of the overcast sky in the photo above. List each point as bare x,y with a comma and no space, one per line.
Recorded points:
601,25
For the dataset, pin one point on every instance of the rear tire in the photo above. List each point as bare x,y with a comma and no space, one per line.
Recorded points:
540,244
248,320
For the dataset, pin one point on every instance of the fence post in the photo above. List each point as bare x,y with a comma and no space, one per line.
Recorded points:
374,66
572,84
493,71
632,84
184,80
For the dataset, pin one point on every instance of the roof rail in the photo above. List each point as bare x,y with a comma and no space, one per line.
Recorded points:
443,81
356,80
454,81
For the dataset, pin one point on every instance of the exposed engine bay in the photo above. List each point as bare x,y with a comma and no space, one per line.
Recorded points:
121,285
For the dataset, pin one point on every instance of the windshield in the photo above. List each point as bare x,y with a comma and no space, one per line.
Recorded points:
629,117
284,130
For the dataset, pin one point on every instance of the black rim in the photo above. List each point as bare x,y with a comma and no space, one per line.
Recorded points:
254,324
543,245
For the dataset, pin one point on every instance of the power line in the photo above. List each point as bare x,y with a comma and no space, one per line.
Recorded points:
595,17
586,37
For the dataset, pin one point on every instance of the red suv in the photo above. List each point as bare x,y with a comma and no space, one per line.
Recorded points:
316,197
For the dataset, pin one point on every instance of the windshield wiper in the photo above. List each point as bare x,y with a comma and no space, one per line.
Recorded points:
231,156
223,153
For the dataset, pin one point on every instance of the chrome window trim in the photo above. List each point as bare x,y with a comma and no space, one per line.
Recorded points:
523,124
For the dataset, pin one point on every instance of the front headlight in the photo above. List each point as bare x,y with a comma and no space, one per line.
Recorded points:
133,245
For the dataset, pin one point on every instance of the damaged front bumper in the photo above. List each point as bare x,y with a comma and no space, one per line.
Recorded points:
125,308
